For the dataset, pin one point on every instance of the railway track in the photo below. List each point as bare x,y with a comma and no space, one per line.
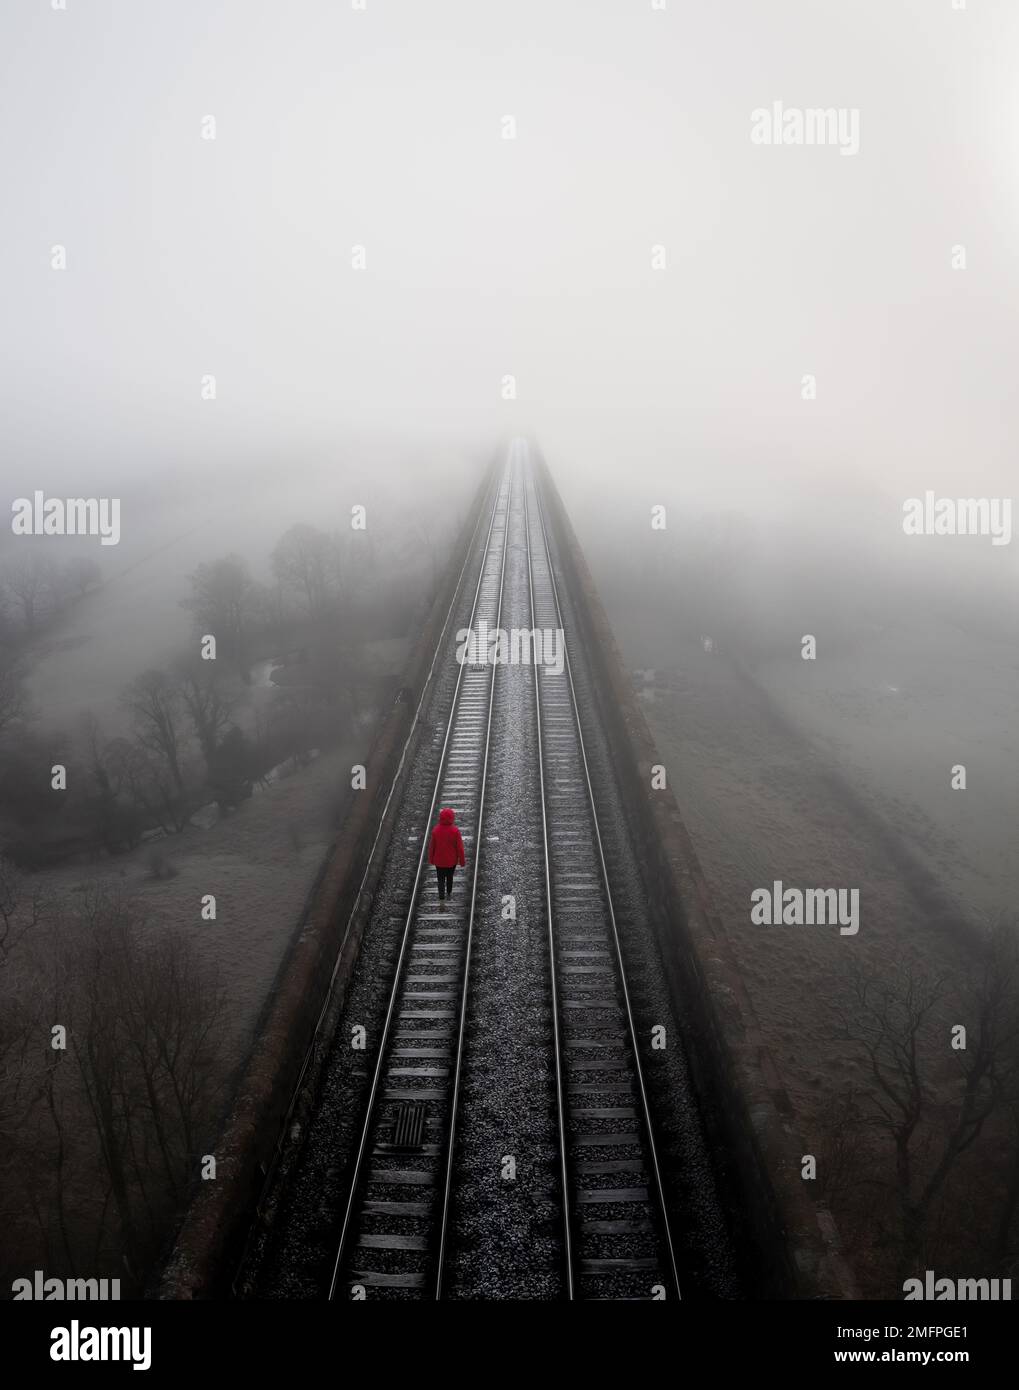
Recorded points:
406,1145
588,1105
620,1238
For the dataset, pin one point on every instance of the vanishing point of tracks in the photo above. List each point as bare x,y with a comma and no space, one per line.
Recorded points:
609,1236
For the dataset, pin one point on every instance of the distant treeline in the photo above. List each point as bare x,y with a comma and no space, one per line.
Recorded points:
34,590
191,733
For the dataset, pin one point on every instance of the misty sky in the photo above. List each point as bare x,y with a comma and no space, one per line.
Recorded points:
532,257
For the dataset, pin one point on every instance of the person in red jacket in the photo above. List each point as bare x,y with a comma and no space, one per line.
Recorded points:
446,851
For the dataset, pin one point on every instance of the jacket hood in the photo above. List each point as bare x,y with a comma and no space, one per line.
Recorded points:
446,816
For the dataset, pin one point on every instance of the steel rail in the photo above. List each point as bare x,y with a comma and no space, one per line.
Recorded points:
645,1105
564,1176
312,1048
455,1097
370,1108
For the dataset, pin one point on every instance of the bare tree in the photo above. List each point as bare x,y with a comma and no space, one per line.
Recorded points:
232,770
157,709
173,1017
20,907
224,600
138,780
303,561
13,701
155,705
94,744
1001,977
144,1023
840,1147
28,581
208,706
20,914
891,1019
114,810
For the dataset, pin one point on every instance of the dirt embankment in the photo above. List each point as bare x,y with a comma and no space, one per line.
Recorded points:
768,793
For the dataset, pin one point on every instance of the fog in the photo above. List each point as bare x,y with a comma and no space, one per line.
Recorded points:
383,286
265,263
381,128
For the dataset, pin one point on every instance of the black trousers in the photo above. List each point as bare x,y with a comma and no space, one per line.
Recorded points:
445,877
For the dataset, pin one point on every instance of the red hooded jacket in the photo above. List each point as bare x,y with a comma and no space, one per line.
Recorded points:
447,847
